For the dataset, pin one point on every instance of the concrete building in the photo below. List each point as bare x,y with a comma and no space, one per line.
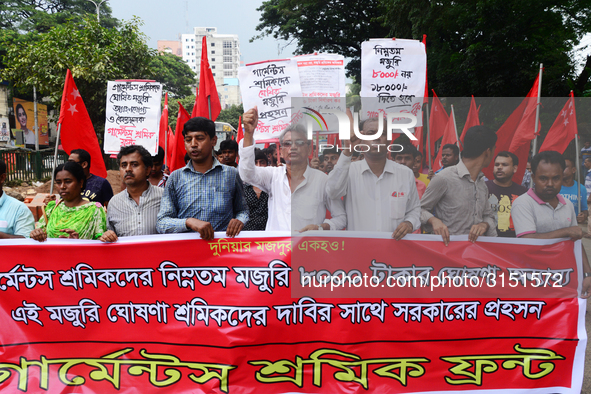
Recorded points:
169,46
224,59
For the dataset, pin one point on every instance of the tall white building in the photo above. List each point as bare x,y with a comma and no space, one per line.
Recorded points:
224,59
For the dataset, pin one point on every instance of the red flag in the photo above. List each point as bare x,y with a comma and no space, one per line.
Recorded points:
419,130
525,132
449,137
77,131
178,147
518,123
471,120
195,106
564,129
163,125
438,120
207,89
170,137
240,134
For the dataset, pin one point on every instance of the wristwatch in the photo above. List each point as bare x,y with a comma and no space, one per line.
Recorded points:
586,274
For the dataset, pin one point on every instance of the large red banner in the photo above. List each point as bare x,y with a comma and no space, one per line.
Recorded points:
179,314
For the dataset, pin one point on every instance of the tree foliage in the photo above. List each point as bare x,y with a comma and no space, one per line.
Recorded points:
93,53
231,115
175,75
479,47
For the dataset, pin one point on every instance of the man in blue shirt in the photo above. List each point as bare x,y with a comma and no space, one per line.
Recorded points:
16,220
569,190
204,196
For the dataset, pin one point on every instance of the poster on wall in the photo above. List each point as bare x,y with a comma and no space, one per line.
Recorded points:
4,130
24,113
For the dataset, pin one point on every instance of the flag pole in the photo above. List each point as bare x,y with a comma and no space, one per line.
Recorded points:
57,144
166,148
538,110
453,118
428,137
577,158
209,106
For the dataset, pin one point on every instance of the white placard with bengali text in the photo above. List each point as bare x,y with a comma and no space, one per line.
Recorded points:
322,77
394,71
133,115
270,86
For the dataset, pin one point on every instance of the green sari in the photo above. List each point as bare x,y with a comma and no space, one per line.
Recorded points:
88,220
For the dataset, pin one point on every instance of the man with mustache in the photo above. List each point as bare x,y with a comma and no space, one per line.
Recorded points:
204,196
543,213
503,191
135,209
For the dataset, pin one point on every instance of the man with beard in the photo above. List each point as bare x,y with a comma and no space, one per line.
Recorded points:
133,211
297,195
331,157
542,213
204,196
379,194
503,191
228,152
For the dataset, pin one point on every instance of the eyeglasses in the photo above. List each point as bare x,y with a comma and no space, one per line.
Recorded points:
298,143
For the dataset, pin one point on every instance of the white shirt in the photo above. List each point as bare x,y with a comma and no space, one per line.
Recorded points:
307,205
375,203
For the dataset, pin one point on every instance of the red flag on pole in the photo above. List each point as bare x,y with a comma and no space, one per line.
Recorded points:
471,120
449,137
163,124
195,105
438,120
170,136
77,131
520,118
564,129
178,147
208,94
240,134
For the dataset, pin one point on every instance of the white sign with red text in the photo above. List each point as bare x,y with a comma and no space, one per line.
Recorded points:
133,115
270,86
394,71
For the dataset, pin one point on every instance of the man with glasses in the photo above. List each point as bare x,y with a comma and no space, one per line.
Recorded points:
295,185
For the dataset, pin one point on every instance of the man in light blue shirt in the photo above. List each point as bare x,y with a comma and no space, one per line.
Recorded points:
569,190
16,220
204,196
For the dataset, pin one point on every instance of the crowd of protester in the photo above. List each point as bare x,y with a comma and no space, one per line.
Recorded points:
288,188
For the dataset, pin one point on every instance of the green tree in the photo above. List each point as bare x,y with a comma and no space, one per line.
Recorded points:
93,53
338,26
41,15
480,47
231,115
175,75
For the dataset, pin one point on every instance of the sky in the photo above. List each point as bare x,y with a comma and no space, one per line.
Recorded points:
165,20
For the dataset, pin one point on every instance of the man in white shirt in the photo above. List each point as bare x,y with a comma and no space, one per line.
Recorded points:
294,185
379,194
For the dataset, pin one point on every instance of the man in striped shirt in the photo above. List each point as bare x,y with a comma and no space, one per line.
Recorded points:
135,209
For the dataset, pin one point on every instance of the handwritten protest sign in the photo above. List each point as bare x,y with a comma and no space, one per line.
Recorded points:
133,115
270,86
322,78
394,71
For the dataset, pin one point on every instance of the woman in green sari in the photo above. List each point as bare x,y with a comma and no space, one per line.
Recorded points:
71,216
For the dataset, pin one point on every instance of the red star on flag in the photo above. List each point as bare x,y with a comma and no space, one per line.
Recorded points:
75,93
72,108
564,130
